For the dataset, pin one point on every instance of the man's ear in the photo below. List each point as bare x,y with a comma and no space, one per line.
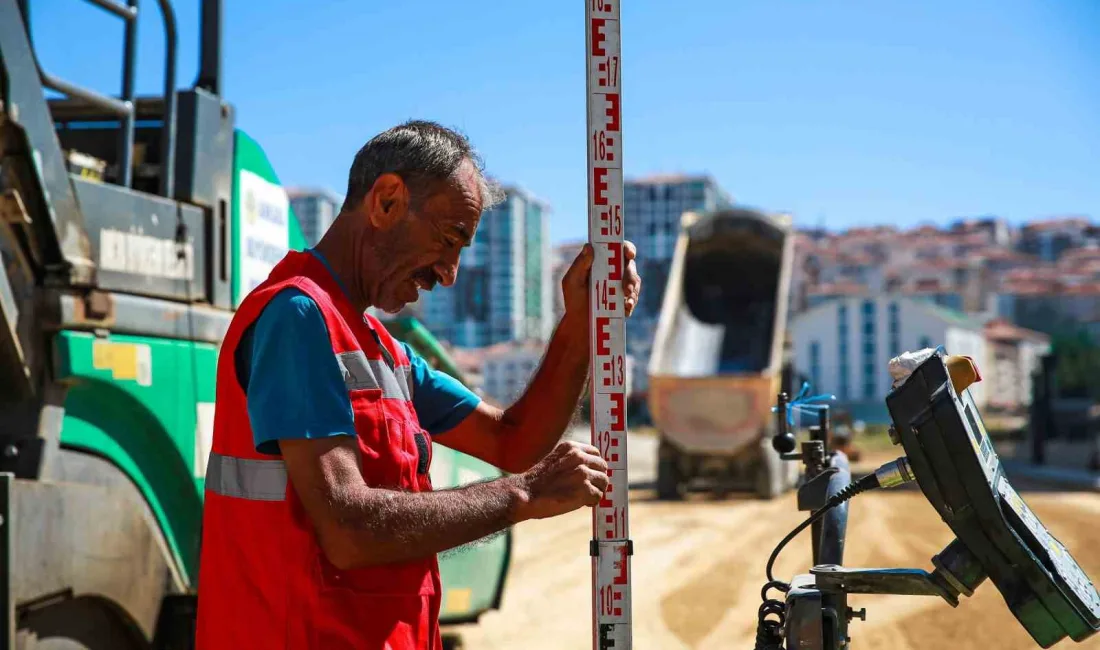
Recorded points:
387,202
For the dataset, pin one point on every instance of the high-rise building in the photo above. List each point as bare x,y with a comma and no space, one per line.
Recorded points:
503,292
316,209
652,211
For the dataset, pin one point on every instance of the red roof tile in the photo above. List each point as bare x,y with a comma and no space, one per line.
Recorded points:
1002,330
837,288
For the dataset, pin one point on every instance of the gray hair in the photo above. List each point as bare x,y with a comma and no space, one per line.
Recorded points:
423,154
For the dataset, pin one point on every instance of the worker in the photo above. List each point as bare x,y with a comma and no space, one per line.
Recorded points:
320,525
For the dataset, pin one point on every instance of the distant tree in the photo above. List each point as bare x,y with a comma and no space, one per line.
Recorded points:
1078,369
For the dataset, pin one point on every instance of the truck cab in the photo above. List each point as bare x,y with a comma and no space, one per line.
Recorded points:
131,227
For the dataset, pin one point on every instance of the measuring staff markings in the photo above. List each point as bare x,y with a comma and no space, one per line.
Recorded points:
606,204
611,548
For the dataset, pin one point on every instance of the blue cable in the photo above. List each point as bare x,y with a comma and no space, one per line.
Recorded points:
804,403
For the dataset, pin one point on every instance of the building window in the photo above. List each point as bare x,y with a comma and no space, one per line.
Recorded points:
842,350
895,330
868,349
815,363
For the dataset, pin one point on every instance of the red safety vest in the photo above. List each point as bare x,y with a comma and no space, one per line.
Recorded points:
264,581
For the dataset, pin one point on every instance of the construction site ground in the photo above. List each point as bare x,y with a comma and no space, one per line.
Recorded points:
698,568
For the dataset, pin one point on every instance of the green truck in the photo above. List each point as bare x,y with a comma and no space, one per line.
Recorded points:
130,229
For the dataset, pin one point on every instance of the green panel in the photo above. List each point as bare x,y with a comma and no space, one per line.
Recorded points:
138,402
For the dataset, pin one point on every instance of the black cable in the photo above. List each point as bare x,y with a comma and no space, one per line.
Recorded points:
769,631
868,482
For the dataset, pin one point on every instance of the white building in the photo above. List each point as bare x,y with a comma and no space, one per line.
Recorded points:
844,346
503,292
1014,355
316,209
507,368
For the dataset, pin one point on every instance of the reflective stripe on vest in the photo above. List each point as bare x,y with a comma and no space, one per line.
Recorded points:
360,372
246,478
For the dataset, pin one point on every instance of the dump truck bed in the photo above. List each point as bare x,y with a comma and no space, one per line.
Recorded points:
718,353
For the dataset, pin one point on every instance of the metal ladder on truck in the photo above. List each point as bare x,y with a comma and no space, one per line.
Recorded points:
114,226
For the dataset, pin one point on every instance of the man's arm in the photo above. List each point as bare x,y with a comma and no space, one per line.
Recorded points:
299,408
358,525
515,438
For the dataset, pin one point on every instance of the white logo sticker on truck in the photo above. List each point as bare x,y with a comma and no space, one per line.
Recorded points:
264,230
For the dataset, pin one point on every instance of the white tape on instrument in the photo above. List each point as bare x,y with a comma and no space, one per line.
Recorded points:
611,545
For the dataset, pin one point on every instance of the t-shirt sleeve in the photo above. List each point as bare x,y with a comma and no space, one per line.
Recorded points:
440,400
293,383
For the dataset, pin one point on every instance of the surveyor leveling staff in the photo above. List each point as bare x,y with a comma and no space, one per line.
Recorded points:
611,546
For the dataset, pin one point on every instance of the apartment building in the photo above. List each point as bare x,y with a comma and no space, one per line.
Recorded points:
503,292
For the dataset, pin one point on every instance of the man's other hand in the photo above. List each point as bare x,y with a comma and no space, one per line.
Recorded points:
572,475
574,285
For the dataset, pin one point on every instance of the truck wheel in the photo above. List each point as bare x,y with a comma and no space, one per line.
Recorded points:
670,480
769,480
82,623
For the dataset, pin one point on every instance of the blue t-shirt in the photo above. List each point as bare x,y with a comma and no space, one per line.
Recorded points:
295,387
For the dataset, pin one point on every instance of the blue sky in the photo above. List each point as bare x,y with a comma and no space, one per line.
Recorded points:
843,112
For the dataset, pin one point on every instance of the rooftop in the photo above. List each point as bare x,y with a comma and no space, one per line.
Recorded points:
925,229
952,316
999,253
1033,287
515,189
838,289
665,178
1000,329
1056,223
1091,288
297,191
1077,255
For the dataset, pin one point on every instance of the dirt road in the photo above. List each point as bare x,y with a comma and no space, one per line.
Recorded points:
699,565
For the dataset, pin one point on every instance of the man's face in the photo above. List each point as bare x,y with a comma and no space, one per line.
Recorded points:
421,246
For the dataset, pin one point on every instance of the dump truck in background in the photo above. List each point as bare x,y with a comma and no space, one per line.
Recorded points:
720,355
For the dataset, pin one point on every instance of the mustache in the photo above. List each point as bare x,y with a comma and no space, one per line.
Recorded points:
427,277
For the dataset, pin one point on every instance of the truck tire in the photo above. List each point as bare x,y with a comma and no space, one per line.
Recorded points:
769,479
670,480
82,623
